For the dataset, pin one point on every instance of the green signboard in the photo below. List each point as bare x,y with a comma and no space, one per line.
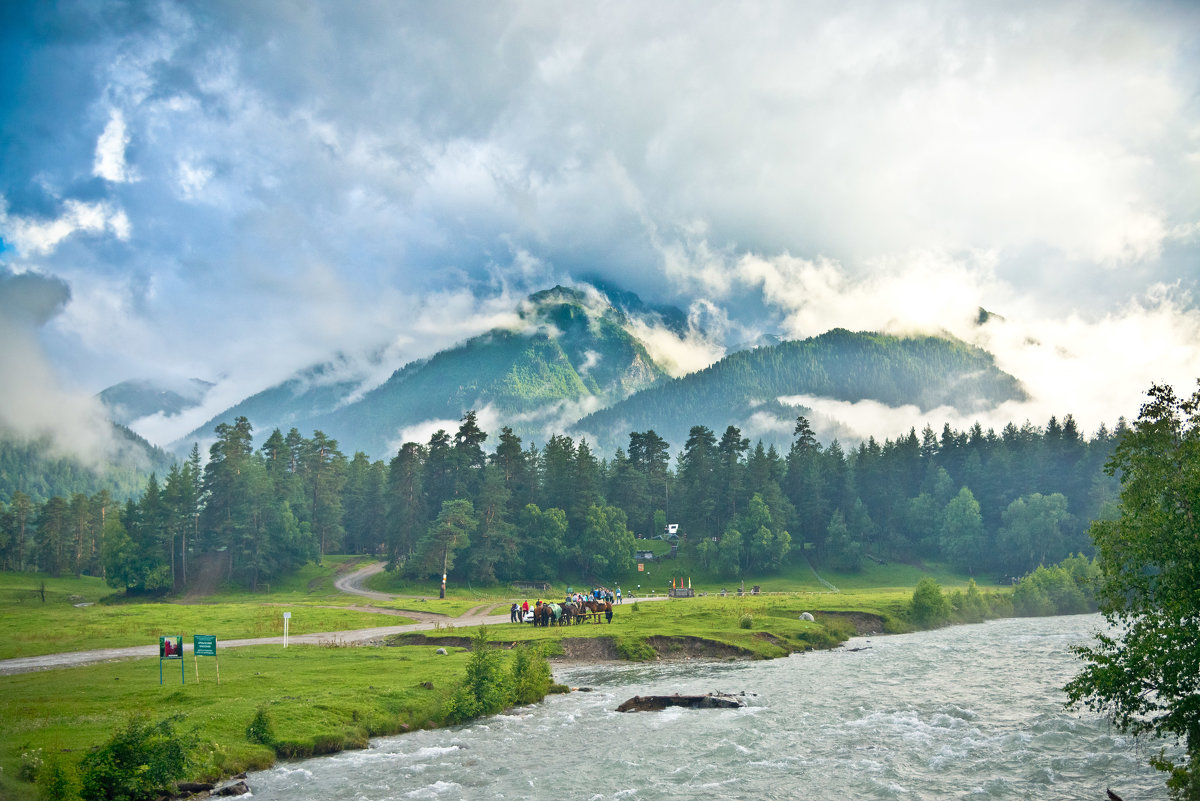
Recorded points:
204,644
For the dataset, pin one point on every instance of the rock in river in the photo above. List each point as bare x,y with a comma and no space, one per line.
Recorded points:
653,703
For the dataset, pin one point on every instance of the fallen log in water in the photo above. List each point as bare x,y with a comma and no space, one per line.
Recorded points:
653,703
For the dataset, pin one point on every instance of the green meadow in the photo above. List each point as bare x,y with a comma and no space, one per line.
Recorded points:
321,699
318,699
52,615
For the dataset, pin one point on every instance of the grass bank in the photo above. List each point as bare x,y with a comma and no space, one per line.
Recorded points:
44,615
757,627
318,700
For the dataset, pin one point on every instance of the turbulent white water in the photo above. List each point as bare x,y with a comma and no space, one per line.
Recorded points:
964,712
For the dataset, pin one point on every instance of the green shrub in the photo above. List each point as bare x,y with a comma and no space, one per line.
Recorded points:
260,730
484,690
1030,599
57,780
746,622
970,606
1000,604
530,676
141,761
929,607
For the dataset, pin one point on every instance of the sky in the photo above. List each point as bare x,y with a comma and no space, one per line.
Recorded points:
233,191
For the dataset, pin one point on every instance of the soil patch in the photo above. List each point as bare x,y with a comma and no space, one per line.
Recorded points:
588,649
205,575
695,648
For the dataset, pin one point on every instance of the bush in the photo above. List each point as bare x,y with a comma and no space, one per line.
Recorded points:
260,730
484,689
746,622
57,780
1064,589
142,761
928,608
530,676
970,607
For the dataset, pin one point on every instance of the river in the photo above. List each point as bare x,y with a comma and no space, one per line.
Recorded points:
962,712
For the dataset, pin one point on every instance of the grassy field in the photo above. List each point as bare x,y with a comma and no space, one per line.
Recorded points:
763,626
323,699
319,700
33,626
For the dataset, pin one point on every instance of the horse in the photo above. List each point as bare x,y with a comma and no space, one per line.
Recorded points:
597,606
541,615
570,611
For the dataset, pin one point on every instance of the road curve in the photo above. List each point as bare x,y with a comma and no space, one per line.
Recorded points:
352,583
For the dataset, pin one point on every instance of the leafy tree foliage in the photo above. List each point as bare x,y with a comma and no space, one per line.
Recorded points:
1145,674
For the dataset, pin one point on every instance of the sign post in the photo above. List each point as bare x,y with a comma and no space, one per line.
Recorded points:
205,645
287,616
171,647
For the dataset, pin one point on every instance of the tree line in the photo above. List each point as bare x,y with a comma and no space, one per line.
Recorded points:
990,503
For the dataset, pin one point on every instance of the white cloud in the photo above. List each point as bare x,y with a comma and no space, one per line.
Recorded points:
695,349
109,163
33,237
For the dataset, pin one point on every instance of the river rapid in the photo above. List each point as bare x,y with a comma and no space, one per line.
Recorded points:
962,712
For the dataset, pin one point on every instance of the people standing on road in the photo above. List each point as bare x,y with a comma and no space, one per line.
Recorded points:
524,610
512,613
618,595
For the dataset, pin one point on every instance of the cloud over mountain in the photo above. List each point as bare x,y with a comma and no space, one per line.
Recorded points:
233,192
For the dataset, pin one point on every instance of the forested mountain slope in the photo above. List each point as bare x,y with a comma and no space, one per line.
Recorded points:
36,470
753,389
568,348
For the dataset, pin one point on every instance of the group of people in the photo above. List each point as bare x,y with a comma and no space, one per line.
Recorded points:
597,594
521,613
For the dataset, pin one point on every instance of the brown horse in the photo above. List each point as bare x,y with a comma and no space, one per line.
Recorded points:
570,613
600,606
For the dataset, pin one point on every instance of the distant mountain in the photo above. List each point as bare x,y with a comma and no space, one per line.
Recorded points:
671,317
756,389
41,472
570,349
133,400
295,403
